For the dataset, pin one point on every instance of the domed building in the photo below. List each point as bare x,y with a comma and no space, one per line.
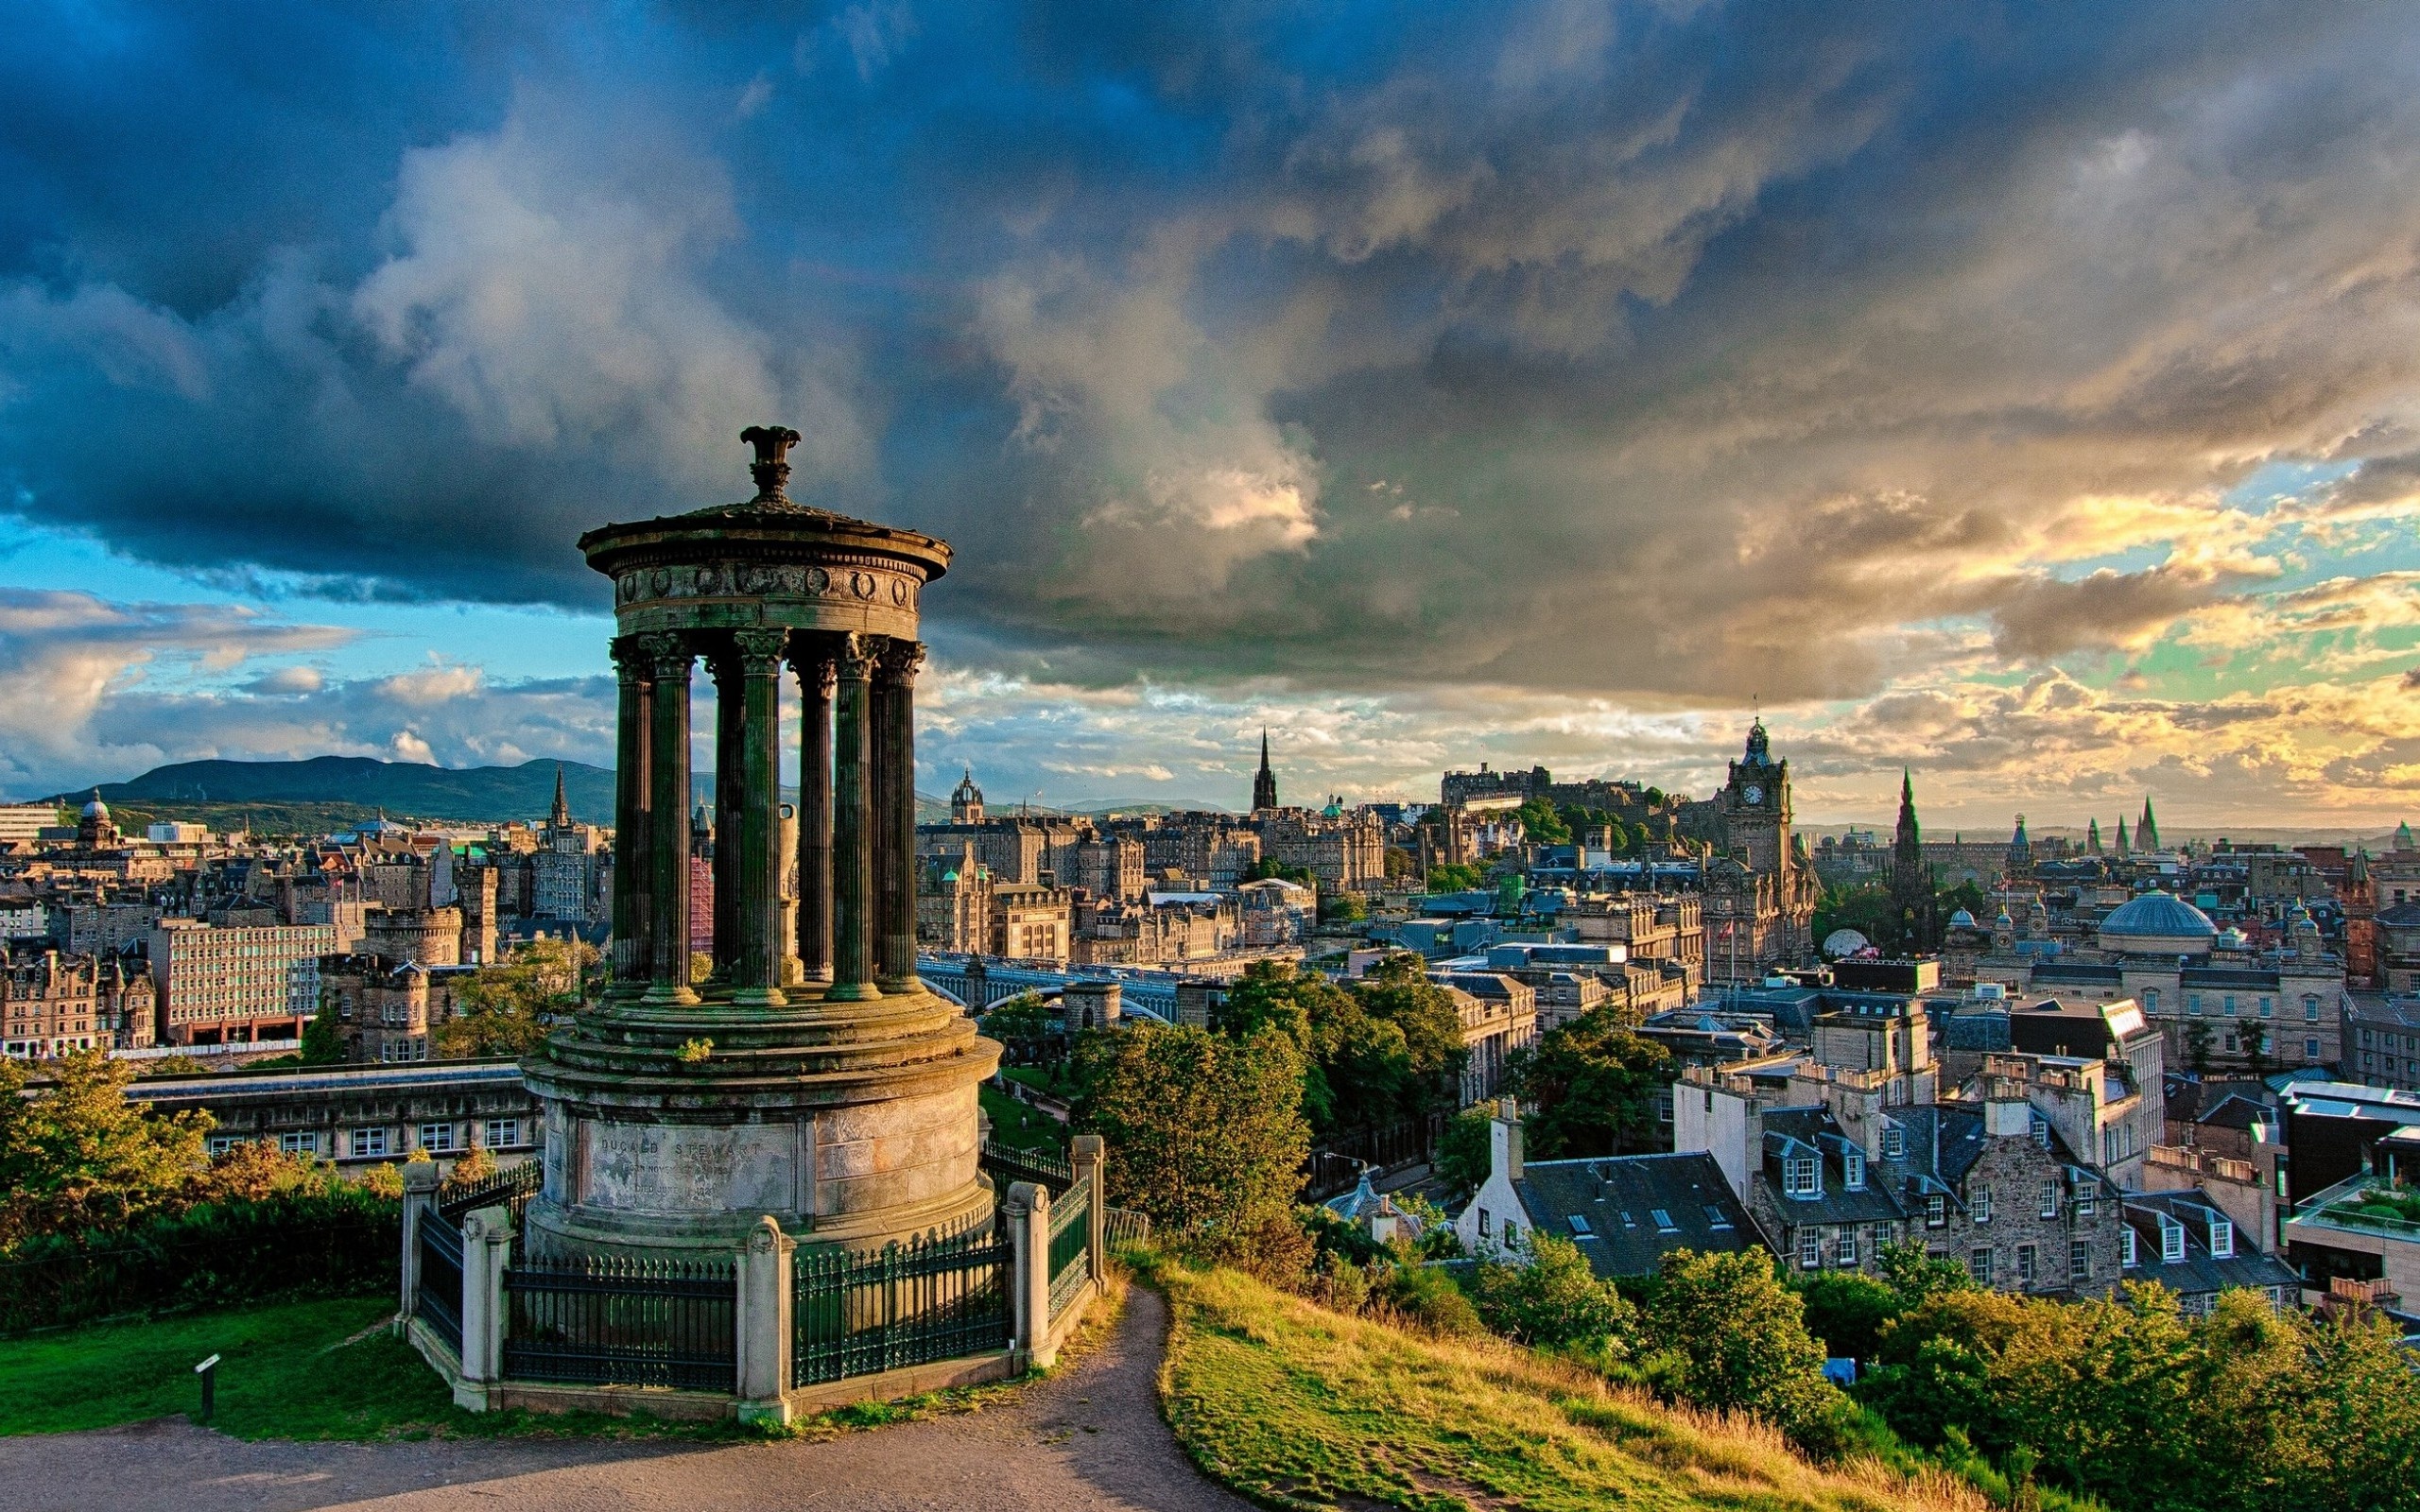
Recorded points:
2157,923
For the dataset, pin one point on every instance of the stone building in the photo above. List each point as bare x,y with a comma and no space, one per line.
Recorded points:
1346,850
2382,1040
567,867
386,1008
50,1004
363,1116
1031,922
954,903
1500,1015
1110,866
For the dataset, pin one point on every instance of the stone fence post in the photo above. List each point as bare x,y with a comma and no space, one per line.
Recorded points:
486,1247
765,1310
1089,1156
420,1196
1027,1210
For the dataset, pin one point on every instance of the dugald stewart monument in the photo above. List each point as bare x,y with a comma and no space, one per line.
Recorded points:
807,1074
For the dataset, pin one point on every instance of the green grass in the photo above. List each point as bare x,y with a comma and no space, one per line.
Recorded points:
1020,1128
1299,1407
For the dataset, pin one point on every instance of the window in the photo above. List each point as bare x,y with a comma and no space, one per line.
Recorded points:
1482,1223
2172,1241
2310,1048
1802,1175
1936,1210
220,1144
298,1144
502,1133
436,1139
2087,1197
1853,1170
1579,1226
1663,1222
1894,1143
2025,1263
1979,1264
1512,1234
2049,1200
2041,1130
1844,1252
2127,1255
2221,1239
1979,1204
1811,1247
2310,1006
2079,1261
1715,1217
2194,1004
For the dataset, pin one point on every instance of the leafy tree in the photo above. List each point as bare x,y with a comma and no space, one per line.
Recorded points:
1510,890
1593,1082
2197,1046
1867,908
508,1008
1727,1336
1554,1299
1427,1299
322,1039
1916,1275
1462,1153
1026,1028
1400,862
1848,1311
1543,823
1967,895
1456,876
1207,1131
1344,908
1269,867
79,1153
1398,992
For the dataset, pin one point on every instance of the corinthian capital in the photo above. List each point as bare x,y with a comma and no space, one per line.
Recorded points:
631,657
760,651
897,662
668,650
812,654
856,655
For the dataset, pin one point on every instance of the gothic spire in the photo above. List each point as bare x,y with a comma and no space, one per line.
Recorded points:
1264,783
559,816
2147,828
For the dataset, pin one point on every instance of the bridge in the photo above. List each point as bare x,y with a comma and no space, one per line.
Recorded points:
980,983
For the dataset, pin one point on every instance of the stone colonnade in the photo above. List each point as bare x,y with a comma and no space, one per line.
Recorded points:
857,814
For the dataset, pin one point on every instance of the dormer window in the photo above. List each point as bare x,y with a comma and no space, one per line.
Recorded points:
2172,1241
1853,1171
2221,1239
2127,1255
2041,1131
1802,1175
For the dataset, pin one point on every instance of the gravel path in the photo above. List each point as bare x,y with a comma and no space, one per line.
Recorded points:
1091,1438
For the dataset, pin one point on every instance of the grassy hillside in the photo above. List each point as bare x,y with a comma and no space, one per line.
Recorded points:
1303,1408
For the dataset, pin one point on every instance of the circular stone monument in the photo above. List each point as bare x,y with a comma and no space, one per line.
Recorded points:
797,1068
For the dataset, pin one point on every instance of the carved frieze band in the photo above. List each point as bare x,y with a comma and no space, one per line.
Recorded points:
839,581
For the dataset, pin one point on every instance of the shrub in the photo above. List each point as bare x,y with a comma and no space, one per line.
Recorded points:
1426,1296
1555,1299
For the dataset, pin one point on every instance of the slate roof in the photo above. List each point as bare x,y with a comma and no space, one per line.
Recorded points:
2200,1272
2080,972
1616,1198
1815,1128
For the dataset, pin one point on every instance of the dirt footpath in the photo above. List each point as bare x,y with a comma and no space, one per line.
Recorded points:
1090,1438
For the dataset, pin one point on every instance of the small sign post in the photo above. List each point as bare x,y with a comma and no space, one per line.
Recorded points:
208,1370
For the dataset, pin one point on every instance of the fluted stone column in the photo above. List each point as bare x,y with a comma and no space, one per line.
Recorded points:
816,672
853,826
729,796
756,866
668,782
633,884
894,699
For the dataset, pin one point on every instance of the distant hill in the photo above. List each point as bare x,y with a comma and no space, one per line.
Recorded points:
481,794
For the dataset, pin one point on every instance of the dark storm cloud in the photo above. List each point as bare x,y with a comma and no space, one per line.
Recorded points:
1673,351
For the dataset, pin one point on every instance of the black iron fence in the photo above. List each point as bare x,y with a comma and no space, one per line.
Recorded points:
504,1189
1026,1165
439,1298
938,1298
1071,1233
608,1322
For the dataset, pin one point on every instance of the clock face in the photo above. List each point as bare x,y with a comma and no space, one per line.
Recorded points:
1754,794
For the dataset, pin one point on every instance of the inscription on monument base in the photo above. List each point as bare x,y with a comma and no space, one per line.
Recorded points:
673,1169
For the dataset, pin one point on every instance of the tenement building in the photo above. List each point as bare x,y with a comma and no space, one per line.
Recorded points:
828,1088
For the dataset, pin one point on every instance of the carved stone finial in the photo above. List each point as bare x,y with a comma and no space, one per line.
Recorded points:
772,469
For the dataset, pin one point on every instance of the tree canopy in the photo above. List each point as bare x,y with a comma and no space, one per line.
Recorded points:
508,1008
1592,1083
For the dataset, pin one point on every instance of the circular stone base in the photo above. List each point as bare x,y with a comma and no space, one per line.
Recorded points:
674,1128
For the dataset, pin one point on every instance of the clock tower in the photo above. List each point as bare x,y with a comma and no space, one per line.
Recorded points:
1755,808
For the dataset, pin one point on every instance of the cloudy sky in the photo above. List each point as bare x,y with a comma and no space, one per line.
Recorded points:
2027,393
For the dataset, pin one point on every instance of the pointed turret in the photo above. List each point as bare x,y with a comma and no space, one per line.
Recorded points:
2147,828
2121,836
558,817
2092,837
1264,783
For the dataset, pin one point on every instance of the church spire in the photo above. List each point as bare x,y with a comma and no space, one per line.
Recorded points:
1264,783
558,817
2092,837
2147,828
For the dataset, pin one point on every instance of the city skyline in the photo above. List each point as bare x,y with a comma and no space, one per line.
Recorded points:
1551,387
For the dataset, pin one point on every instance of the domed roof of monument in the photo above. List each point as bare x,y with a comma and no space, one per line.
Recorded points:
97,809
1841,942
2160,915
1962,919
